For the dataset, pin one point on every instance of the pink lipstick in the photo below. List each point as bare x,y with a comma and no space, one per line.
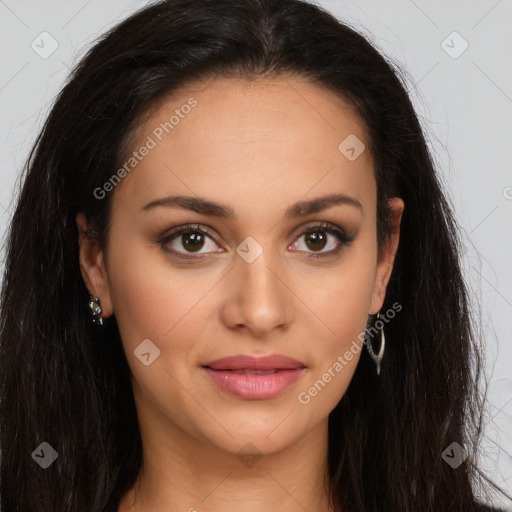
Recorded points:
254,378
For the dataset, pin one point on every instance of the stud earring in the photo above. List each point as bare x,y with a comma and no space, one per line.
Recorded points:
95,309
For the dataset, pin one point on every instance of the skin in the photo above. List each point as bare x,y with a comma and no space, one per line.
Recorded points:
258,147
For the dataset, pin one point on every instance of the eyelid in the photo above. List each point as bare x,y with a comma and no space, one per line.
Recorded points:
327,226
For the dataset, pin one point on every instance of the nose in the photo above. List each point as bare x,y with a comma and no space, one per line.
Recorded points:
259,299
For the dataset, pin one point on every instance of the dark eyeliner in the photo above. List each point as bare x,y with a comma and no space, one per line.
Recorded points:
342,236
186,228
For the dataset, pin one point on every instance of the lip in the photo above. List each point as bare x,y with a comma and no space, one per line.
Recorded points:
243,362
254,378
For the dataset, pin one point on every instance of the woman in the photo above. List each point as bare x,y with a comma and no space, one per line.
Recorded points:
232,280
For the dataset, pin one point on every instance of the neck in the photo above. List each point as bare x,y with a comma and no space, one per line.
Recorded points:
182,472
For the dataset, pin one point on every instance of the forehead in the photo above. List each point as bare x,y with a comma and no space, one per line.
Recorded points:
249,141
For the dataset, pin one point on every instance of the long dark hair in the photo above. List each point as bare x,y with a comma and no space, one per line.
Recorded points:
66,382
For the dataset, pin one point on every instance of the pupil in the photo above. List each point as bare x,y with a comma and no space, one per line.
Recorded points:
317,238
192,241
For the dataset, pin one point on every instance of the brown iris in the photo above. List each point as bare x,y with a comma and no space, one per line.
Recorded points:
316,240
192,241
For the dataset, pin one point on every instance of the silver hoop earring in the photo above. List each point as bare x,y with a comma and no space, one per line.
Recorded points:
377,358
95,309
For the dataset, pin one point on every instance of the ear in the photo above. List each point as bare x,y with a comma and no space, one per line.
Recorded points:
92,266
386,256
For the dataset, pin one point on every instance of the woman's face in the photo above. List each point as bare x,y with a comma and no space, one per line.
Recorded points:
247,160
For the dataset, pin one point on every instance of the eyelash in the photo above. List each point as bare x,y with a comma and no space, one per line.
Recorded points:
343,238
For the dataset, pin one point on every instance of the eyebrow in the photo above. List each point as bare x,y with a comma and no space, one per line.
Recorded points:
207,207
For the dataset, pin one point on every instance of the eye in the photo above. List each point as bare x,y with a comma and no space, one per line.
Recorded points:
316,238
188,241
191,238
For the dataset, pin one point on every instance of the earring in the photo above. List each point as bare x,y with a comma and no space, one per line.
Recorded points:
95,309
377,358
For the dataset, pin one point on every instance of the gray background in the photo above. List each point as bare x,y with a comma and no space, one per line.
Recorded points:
464,100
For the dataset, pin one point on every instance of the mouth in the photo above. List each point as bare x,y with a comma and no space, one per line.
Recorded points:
252,378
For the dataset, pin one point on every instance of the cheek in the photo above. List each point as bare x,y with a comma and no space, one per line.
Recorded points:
341,296
172,307
148,299
341,305
154,302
